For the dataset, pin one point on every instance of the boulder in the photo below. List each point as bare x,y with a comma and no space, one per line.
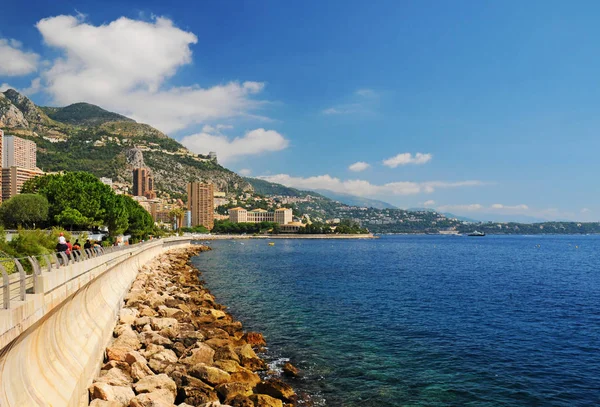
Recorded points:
161,360
104,403
254,339
227,390
278,389
230,366
115,377
246,376
135,356
239,401
209,374
128,315
263,400
151,384
201,354
149,337
196,396
104,391
158,398
117,353
140,370
124,366
290,370
226,353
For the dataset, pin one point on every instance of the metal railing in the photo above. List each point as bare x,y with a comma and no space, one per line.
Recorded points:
19,275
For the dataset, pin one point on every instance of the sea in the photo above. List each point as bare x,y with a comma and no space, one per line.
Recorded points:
422,320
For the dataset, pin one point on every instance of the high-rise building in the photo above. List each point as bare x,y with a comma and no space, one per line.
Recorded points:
143,183
18,152
13,179
200,204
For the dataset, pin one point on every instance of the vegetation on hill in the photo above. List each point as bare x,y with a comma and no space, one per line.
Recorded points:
83,114
267,188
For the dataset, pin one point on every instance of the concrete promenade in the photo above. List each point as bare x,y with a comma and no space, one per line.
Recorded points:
53,342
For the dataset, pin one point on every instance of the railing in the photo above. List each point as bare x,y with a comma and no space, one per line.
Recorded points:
19,275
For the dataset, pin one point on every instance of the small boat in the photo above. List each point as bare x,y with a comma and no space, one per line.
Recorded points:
476,234
271,243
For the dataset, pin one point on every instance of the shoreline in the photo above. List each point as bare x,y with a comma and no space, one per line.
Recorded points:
175,346
283,236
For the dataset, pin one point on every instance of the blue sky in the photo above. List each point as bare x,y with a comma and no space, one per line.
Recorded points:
500,98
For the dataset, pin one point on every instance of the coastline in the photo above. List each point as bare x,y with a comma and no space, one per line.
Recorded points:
283,236
174,345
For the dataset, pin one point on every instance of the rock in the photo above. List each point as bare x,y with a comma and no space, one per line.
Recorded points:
196,396
115,377
190,338
246,376
217,343
290,370
151,350
141,321
239,401
263,400
227,390
213,404
140,370
116,363
201,354
117,353
155,338
127,339
161,360
226,353
162,323
135,356
104,391
246,351
179,349
128,315
230,366
147,312
278,389
104,403
158,398
209,374
169,333
150,384
169,312
211,332
254,339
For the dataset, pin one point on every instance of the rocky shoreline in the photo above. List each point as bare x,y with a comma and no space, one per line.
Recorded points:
175,346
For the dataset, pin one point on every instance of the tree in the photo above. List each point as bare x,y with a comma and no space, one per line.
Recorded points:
140,221
71,217
177,215
117,216
24,210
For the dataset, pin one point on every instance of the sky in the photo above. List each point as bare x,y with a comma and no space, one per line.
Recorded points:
479,108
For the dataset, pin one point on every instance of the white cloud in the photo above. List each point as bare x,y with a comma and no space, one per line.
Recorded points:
344,109
521,207
407,158
362,187
5,86
366,92
253,142
15,61
585,210
245,172
359,166
429,203
468,208
124,65
363,101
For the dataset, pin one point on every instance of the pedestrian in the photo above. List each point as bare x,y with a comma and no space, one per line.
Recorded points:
87,244
69,247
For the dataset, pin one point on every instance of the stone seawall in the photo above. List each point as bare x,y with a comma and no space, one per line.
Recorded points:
53,361
175,346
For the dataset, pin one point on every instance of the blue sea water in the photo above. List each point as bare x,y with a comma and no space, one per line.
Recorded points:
423,320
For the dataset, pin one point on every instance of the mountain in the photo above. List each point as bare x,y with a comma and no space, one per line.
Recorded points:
353,200
267,188
85,137
83,114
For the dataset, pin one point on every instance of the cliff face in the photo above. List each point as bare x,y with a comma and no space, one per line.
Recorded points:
84,137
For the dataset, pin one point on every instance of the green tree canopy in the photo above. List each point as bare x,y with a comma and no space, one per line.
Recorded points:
24,210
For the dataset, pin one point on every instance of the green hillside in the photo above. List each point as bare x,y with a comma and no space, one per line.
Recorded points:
83,114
